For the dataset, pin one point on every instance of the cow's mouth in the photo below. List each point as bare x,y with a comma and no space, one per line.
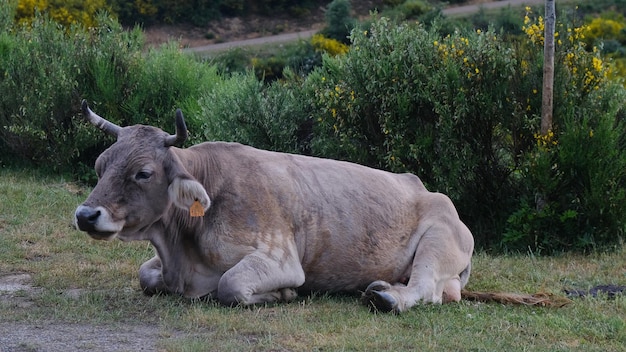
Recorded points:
102,236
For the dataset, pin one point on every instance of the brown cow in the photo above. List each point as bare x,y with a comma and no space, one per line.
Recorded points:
275,223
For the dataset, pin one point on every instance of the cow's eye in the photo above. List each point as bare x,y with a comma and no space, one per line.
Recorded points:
143,175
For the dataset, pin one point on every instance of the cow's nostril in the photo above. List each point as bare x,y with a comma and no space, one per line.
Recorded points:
87,218
93,217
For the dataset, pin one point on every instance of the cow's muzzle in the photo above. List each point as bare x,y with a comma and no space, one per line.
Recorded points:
97,222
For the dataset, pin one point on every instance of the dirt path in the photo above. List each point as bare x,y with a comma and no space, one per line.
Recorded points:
290,37
54,336
50,336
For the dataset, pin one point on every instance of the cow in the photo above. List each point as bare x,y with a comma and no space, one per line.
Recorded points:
246,226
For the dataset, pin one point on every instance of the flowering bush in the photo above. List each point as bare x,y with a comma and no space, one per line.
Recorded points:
405,99
66,12
573,180
328,45
462,111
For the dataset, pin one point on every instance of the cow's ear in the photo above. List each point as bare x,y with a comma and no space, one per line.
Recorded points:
184,192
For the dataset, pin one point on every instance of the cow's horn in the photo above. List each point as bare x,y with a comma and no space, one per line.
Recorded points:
181,131
101,123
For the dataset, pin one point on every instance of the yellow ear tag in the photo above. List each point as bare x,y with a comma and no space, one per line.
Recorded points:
196,210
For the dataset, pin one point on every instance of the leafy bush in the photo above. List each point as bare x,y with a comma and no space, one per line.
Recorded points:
147,12
240,109
47,69
339,22
405,99
463,116
574,178
300,57
41,74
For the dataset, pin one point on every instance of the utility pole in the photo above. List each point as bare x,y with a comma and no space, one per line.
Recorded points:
547,100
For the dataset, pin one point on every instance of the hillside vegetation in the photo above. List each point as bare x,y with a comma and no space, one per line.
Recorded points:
456,104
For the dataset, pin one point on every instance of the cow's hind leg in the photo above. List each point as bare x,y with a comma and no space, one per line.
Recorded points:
437,275
260,278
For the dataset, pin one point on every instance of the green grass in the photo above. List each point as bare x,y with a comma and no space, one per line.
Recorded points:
36,238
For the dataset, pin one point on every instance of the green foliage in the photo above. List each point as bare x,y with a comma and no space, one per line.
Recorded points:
47,70
339,22
269,63
463,116
405,99
240,109
574,178
200,12
40,76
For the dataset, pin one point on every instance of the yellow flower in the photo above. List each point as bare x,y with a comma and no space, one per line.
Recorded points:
597,64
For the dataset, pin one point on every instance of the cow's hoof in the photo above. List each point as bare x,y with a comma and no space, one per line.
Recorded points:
377,300
380,301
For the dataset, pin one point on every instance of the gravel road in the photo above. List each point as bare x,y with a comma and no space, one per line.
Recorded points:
290,37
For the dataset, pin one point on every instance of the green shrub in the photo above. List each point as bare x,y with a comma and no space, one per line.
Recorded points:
47,70
240,109
405,99
339,22
574,178
414,8
147,12
300,57
461,111
39,81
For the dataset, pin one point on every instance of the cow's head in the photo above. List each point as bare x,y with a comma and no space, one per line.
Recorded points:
139,178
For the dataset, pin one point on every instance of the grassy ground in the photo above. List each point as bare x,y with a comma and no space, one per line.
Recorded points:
81,282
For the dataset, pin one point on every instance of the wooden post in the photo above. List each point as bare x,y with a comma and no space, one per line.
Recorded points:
548,69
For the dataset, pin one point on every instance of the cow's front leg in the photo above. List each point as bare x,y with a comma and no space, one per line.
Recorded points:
151,277
261,278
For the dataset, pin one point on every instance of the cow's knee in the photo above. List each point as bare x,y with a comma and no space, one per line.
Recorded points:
151,277
231,291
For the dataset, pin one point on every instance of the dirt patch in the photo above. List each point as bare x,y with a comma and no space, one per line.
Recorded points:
53,336
16,290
